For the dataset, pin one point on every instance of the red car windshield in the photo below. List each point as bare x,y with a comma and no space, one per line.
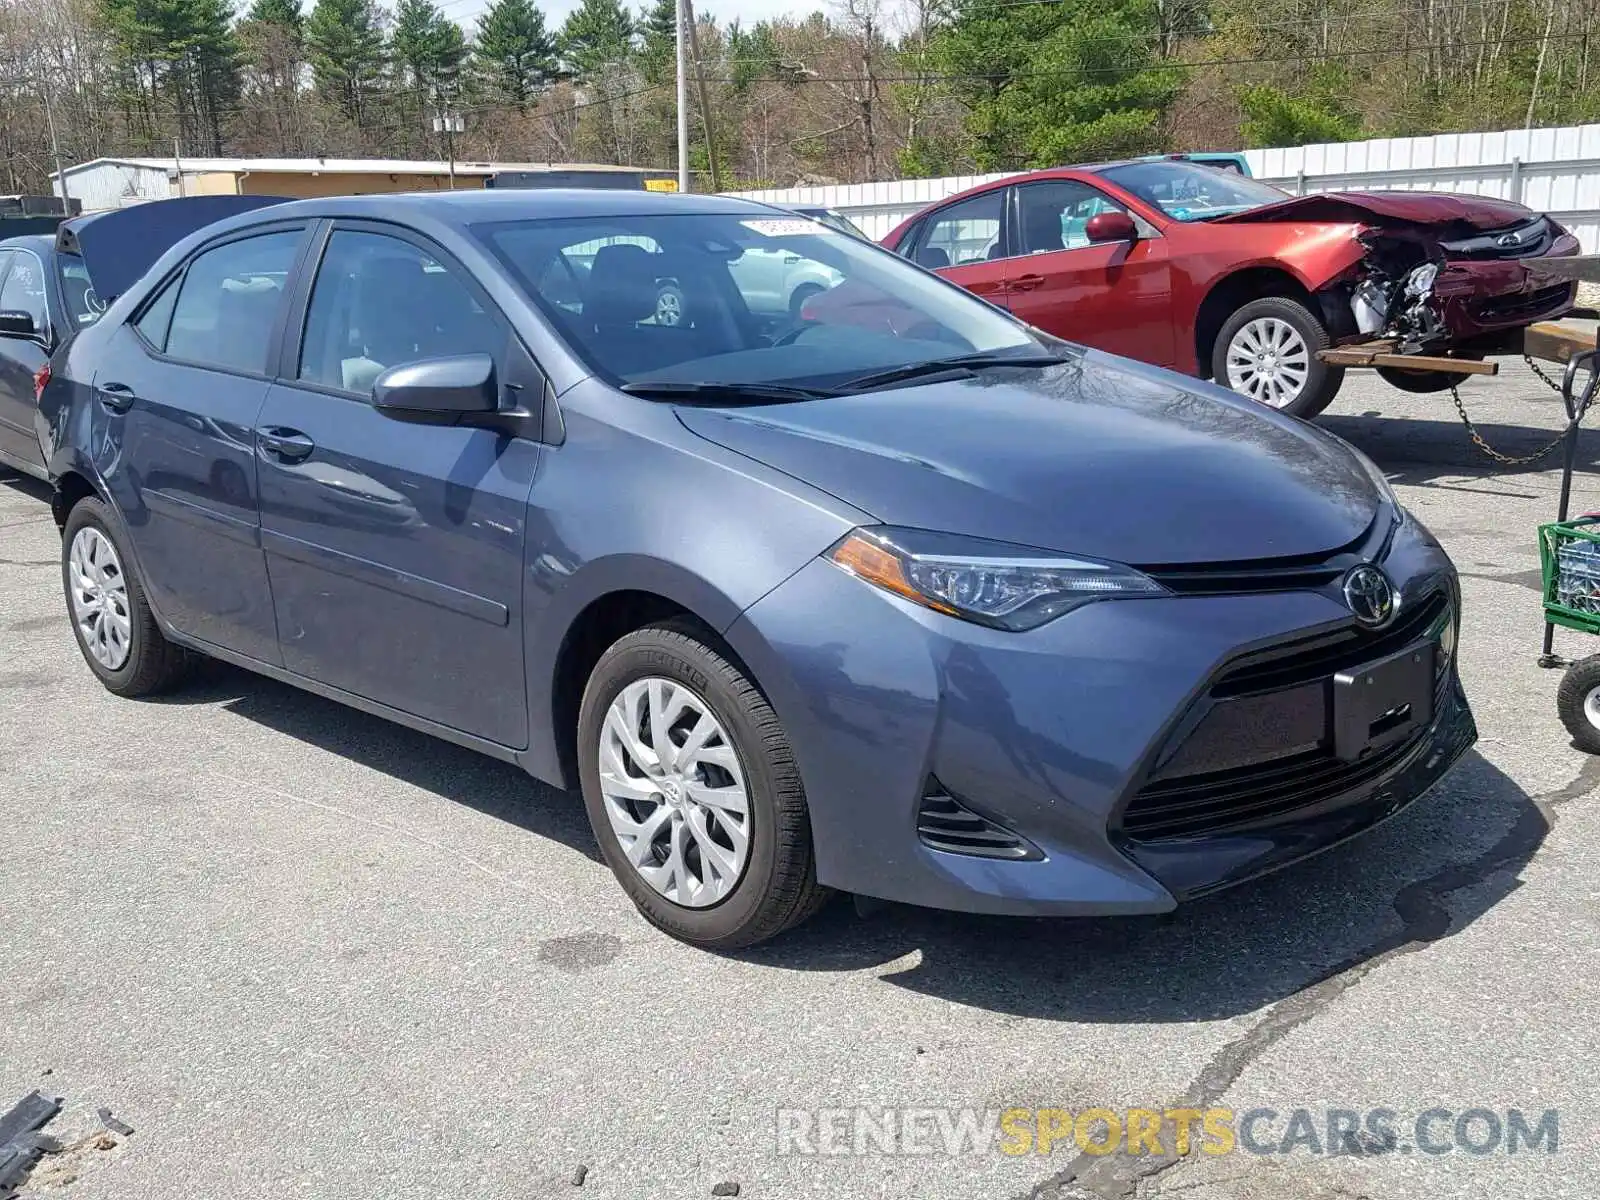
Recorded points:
1188,191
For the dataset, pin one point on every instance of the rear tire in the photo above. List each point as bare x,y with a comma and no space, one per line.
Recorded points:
1267,352
703,871
798,298
111,619
1578,702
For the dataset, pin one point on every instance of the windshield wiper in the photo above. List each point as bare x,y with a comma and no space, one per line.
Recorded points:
723,393
961,364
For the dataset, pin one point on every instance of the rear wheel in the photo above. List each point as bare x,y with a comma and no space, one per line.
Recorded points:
798,298
669,305
111,619
1267,350
693,792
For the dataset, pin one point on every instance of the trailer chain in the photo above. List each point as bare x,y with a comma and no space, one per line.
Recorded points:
1518,460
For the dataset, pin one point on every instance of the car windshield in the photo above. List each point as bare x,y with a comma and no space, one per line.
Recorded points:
1188,191
83,306
741,298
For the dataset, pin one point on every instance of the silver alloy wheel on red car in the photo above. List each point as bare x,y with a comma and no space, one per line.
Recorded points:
1268,361
675,792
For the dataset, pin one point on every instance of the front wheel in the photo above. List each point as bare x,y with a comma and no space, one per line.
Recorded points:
669,305
1267,350
1422,382
692,791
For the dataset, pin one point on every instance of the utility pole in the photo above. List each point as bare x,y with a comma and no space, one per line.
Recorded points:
55,146
683,98
705,106
177,164
449,124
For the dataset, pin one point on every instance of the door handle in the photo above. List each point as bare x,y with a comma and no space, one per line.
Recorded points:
288,444
116,397
1025,283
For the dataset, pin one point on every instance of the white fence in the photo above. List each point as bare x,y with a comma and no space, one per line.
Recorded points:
1552,170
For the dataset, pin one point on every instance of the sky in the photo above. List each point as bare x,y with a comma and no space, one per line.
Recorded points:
465,12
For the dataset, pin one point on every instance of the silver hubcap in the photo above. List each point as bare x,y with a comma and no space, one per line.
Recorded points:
1591,707
669,308
675,792
99,598
1268,361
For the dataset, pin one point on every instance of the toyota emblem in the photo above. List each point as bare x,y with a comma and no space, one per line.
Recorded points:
1370,595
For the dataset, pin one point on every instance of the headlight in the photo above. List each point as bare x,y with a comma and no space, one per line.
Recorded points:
991,583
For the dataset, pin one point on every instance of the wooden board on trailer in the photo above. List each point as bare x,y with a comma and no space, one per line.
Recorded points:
1556,341
1382,354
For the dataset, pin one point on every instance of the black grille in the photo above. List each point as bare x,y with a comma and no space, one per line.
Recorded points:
1239,799
944,823
1524,304
1532,237
1203,787
1297,573
1322,655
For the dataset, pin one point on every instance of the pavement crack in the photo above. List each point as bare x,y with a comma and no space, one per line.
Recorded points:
29,562
1424,917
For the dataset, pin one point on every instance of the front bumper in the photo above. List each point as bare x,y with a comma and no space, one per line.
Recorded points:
1482,297
1050,735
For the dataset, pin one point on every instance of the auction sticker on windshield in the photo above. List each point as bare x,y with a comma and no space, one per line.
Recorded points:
784,226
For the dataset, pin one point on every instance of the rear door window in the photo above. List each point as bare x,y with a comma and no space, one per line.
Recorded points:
227,303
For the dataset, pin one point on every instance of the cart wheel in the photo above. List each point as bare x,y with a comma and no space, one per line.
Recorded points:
1578,702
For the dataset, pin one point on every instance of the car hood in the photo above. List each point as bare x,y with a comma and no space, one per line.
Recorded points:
1389,208
1099,456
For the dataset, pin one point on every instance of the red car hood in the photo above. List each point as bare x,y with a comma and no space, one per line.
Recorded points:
1388,208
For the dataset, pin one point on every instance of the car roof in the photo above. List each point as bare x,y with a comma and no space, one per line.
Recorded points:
507,204
40,242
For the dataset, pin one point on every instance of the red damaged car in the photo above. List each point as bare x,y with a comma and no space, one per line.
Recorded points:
1221,276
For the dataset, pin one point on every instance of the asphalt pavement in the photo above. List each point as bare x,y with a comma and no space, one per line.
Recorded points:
303,952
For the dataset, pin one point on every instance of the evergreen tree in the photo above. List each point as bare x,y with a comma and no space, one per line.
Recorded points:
180,61
427,46
658,41
597,34
284,13
513,55
344,40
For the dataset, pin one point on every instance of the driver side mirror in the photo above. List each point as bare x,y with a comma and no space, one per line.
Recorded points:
16,323
1111,227
438,390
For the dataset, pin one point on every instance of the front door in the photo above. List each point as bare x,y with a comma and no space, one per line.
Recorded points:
1116,296
178,392
396,549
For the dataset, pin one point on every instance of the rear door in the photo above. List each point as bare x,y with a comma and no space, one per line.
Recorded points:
179,390
964,243
23,290
1116,296
396,549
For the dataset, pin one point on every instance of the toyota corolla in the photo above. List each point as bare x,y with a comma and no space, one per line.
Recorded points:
937,609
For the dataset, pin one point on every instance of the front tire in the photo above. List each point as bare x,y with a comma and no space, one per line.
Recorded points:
1267,351
111,619
1578,702
693,793
1422,383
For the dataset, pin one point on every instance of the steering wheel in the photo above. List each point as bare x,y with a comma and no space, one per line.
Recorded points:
792,335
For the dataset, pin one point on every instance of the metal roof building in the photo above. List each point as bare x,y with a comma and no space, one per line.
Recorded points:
104,183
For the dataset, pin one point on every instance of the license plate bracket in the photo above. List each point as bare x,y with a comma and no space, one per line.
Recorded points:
1383,701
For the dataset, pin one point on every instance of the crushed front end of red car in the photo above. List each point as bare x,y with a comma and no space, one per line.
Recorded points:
1439,271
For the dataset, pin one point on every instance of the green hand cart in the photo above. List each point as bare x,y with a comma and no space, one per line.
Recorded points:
1569,559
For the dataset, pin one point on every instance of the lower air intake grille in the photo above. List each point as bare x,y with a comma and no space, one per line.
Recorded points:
944,823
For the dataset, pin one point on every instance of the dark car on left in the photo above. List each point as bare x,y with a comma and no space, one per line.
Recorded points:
45,295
